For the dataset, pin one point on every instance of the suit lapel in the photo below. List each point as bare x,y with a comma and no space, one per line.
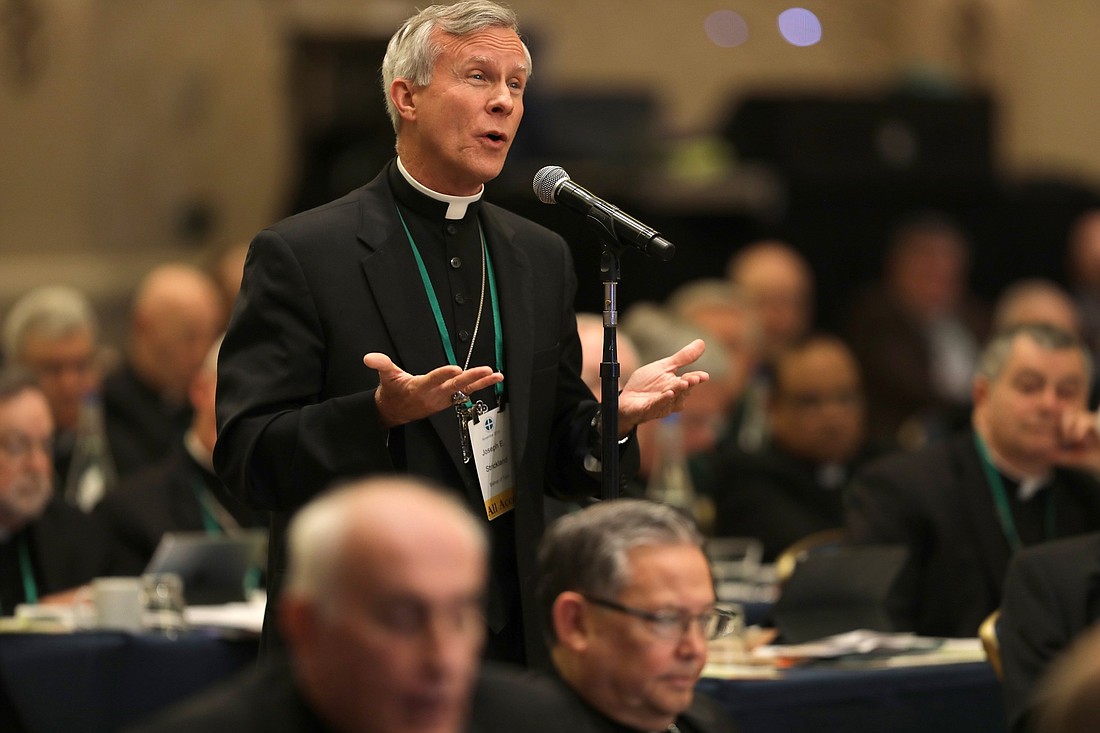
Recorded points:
981,514
512,269
392,277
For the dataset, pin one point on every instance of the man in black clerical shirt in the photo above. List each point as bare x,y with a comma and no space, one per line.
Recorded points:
46,546
371,331
629,607
1025,472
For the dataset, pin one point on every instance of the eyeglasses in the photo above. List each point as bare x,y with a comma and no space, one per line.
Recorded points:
17,444
671,625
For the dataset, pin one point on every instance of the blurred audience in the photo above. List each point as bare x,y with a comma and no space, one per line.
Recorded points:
917,333
383,630
46,546
53,333
629,607
180,493
721,310
175,316
702,418
1051,596
1036,300
778,284
1083,273
792,486
1024,473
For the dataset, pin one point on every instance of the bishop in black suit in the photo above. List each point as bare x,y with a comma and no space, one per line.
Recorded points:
444,294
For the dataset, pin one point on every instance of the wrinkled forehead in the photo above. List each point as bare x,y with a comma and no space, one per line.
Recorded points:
497,44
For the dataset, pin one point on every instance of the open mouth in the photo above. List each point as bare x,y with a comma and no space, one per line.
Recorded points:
495,137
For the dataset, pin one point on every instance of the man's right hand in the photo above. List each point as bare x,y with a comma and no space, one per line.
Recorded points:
402,397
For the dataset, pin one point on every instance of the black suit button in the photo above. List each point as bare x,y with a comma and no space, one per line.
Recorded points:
463,335
451,229
456,262
460,298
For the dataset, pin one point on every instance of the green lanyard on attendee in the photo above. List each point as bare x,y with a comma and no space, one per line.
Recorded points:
444,335
1000,499
26,569
210,521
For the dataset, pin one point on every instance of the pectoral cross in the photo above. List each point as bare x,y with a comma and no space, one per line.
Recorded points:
467,411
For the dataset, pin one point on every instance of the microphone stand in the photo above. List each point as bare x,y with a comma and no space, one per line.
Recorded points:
609,373
604,225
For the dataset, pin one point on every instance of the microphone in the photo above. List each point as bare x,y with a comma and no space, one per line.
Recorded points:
553,186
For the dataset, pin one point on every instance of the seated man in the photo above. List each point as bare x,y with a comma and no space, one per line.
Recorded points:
53,333
383,629
179,493
1051,595
629,606
46,546
175,316
792,486
963,507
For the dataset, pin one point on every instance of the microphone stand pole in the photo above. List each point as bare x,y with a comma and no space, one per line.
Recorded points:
609,372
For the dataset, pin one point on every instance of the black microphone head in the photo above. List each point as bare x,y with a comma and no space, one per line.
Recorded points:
546,182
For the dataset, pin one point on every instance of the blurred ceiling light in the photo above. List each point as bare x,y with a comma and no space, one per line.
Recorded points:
799,27
726,29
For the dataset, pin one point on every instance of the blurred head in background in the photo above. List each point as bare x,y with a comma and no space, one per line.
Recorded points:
53,333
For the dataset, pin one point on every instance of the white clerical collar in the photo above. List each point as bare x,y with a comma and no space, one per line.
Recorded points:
198,451
456,205
1029,486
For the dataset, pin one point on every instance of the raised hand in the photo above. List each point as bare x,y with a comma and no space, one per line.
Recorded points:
402,397
656,390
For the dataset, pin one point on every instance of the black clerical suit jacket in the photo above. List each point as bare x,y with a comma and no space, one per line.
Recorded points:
938,503
159,499
296,405
1052,594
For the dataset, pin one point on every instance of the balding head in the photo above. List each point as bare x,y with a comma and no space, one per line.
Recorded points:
177,313
778,283
383,611
1036,300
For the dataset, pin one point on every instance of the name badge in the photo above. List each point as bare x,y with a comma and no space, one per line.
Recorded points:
491,443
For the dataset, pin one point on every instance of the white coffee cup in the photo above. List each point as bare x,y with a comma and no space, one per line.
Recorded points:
119,603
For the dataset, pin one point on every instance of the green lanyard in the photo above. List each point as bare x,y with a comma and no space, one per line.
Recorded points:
30,588
210,522
444,335
1000,499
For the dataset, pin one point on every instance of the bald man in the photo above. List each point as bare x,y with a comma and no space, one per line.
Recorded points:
383,629
175,316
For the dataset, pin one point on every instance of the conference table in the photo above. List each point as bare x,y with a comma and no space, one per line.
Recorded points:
945,698
97,682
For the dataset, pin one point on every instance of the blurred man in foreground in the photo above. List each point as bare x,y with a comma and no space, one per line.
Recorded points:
382,617
629,605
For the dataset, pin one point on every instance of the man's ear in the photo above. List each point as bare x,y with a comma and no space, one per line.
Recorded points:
297,620
570,618
979,388
401,94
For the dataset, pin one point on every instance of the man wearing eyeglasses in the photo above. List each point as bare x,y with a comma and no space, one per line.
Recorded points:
629,606
46,546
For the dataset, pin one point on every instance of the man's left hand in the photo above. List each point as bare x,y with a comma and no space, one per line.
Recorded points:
1080,442
656,390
